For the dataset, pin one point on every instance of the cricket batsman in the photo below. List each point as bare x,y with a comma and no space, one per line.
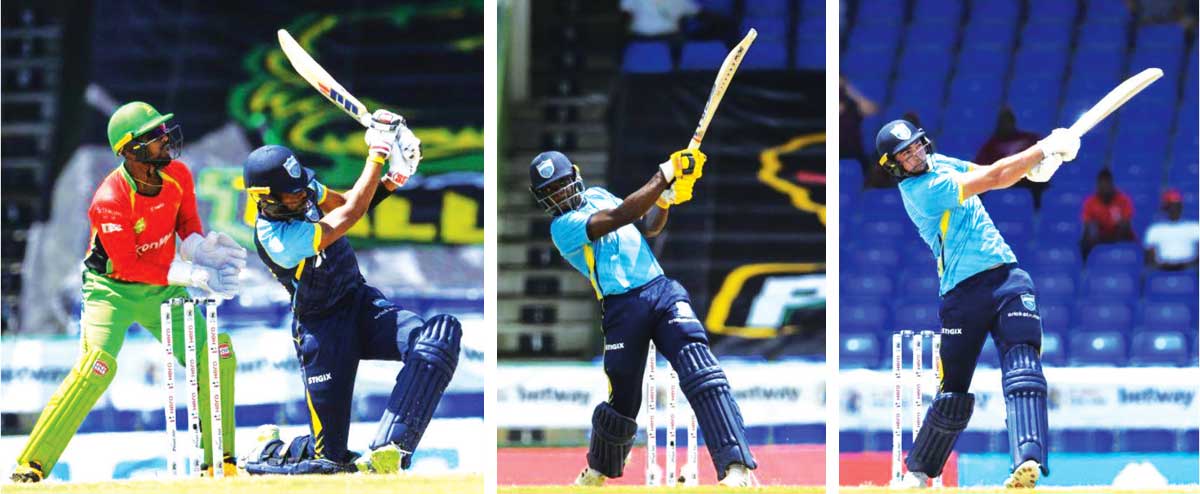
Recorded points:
603,237
982,292
130,269
338,318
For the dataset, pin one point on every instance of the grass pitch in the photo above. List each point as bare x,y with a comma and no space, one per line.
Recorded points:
299,484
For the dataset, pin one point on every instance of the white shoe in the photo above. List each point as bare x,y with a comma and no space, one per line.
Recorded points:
912,480
590,477
738,475
384,459
264,435
1025,476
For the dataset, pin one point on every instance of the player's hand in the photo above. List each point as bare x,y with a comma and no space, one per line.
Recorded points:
1061,142
1045,169
385,126
405,156
685,164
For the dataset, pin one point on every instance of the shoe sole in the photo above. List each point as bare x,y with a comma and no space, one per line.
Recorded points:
385,456
1025,476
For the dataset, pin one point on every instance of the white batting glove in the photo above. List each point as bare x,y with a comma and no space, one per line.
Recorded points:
405,156
668,171
1061,142
384,127
1045,169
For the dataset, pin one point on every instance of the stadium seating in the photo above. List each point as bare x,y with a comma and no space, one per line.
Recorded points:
647,57
1097,348
859,350
1159,348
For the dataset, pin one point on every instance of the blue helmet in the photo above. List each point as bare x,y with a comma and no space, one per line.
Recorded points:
555,183
894,137
272,170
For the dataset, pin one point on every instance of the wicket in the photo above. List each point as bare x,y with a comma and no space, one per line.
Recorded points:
917,339
689,474
195,456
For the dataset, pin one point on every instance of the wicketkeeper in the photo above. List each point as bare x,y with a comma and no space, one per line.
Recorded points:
603,237
982,292
130,269
338,318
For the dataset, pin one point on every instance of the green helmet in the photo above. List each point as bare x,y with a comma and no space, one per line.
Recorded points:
132,120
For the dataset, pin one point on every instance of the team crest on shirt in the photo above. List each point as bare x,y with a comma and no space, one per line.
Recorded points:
546,168
1028,302
901,132
140,225
292,166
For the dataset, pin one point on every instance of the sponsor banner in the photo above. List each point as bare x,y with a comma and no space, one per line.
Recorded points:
780,464
1080,397
564,395
875,468
1140,470
268,372
448,446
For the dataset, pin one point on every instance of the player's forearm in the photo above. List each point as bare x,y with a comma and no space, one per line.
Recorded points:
358,198
654,221
385,189
637,204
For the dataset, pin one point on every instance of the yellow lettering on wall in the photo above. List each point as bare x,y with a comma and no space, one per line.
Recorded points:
393,221
458,220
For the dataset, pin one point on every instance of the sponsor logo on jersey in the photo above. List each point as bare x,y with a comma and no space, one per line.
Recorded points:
110,227
144,248
614,346
139,226
320,378
951,330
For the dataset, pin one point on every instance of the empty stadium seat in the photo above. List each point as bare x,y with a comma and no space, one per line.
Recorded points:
1159,348
1053,11
867,283
920,282
766,8
723,7
863,315
916,314
877,257
859,350
702,55
769,28
1122,254
1097,348
983,34
1013,202
1056,313
766,55
1161,316
1113,283
1167,286
1064,256
1103,316
649,57
1105,12
1146,440
1056,284
991,12
1053,352
945,14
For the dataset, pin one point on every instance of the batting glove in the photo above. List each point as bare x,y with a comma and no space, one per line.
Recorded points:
405,157
1061,142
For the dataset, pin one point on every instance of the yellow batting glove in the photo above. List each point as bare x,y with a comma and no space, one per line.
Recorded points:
666,199
688,164
683,190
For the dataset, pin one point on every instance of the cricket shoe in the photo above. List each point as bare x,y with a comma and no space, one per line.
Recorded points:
384,459
264,435
738,475
912,480
590,477
28,473
1025,476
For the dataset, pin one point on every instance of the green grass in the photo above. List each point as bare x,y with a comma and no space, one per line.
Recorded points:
300,484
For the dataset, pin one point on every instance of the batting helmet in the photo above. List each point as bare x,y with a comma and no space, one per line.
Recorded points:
555,183
894,137
272,170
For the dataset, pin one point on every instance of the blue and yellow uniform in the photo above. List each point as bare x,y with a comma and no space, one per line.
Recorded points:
983,293
639,305
338,321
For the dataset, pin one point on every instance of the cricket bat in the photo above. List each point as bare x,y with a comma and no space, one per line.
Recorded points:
724,77
1114,99
312,72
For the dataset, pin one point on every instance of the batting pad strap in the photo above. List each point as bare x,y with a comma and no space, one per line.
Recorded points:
67,408
948,416
1025,392
720,419
612,439
428,368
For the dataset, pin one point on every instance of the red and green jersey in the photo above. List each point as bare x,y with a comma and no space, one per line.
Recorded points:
133,235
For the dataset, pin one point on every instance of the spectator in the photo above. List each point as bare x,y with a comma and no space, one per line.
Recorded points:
1173,244
1106,214
1008,140
657,18
853,106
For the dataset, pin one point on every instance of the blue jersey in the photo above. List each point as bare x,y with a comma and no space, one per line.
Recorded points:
615,263
958,230
316,279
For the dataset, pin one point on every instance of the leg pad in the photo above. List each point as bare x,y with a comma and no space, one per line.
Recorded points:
612,438
720,419
1025,392
948,416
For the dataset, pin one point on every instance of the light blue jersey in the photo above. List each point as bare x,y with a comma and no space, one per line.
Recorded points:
615,263
958,229
288,243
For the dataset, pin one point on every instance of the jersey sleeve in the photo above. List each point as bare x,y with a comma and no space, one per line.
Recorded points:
933,193
288,243
112,222
569,231
320,192
958,165
188,220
